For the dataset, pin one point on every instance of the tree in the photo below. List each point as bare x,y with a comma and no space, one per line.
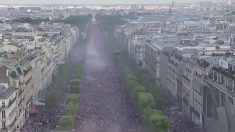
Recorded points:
131,83
145,100
117,53
77,20
149,111
159,122
74,82
157,92
33,21
137,89
51,100
131,77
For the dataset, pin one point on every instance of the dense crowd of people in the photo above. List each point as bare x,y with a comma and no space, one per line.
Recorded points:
46,118
105,105
180,124
36,122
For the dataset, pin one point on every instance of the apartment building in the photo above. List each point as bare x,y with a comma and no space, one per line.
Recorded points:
192,58
154,51
218,103
8,104
27,65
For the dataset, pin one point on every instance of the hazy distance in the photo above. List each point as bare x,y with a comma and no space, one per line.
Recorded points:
98,1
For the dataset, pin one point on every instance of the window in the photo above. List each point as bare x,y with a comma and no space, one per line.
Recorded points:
215,76
3,125
3,114
230,84
222,79
3,104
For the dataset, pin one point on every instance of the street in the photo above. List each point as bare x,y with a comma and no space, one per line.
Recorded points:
105,105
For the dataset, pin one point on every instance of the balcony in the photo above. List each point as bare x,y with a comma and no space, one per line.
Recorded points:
218,86
224,72
11,102
28,81
20,92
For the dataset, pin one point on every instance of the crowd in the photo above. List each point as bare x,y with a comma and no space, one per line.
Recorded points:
36,122
46,118
180,124
105,105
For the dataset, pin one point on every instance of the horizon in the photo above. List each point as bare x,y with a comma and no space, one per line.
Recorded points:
130,2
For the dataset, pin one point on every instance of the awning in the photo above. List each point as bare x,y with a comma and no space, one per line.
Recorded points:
38,103
33,110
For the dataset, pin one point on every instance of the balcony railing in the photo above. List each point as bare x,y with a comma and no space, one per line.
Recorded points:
219,87
11,102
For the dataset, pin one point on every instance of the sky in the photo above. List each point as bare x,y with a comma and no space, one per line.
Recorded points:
96,1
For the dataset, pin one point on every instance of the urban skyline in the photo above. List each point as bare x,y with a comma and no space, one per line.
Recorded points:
102,1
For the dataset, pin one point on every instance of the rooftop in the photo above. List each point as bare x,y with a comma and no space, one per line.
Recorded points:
5,92
162,43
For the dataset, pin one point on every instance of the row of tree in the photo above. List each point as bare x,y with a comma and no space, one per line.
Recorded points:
67,121
147,96
33,21
76,77
59,83
143,96
75,20
78,20
109,22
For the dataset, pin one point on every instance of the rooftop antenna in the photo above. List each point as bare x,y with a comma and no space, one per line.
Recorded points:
171,6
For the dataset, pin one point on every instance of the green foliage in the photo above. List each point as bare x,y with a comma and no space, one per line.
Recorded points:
130,77
58,85
140,83
159,122
70,111
158,93
145,100
131,83
72,99
74,82
78,20
62,75
66,123
109,22
145,93
33,21
149,111
51,100
137,89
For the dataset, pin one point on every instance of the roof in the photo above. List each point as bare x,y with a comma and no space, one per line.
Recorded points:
160,44
5,92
